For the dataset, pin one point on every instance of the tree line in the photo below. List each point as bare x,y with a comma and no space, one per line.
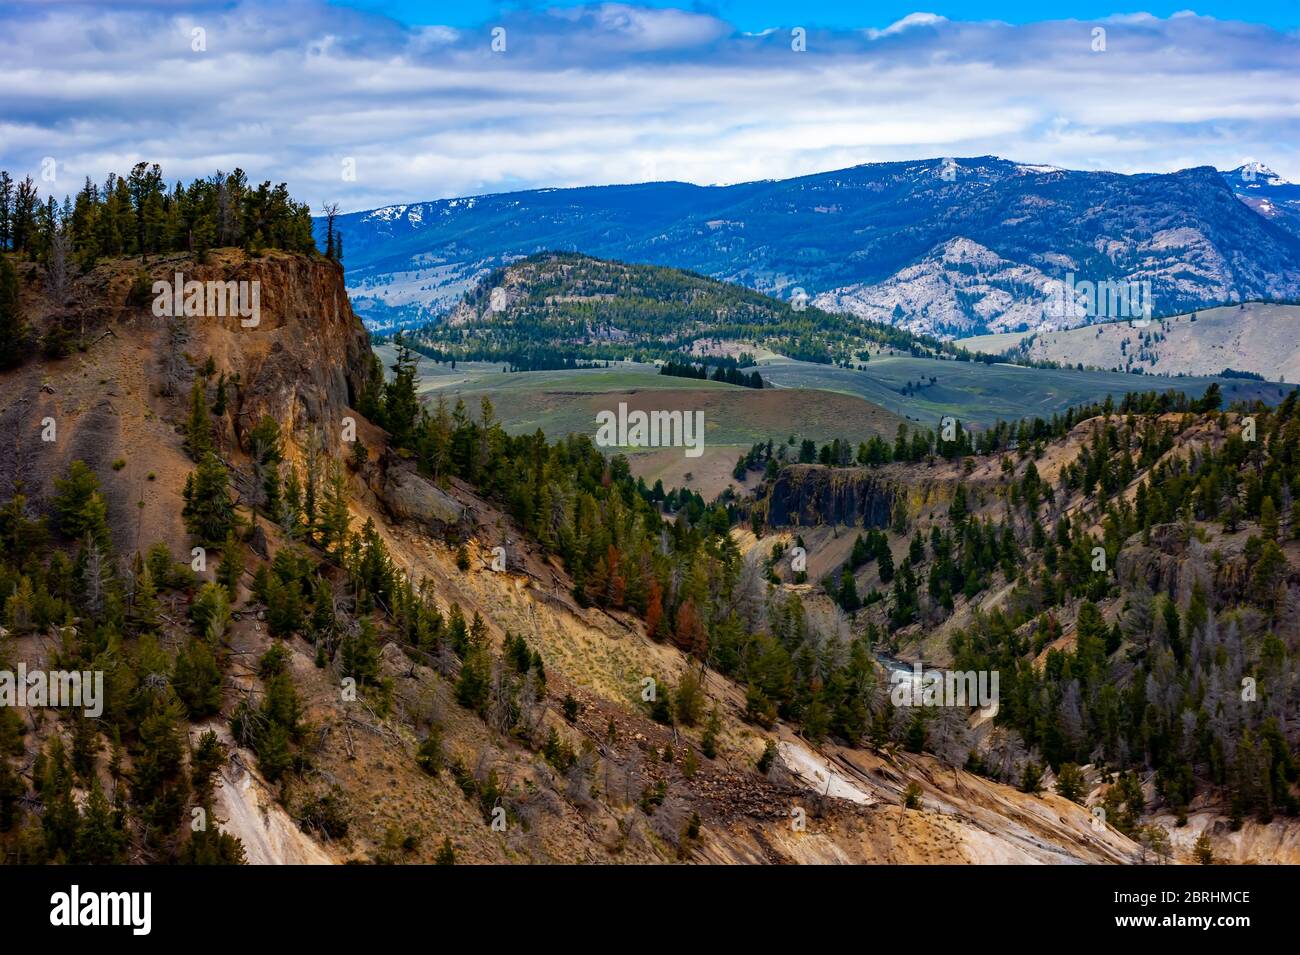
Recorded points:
136,214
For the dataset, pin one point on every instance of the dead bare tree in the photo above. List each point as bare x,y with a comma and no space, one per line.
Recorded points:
330,210
56,272
174,366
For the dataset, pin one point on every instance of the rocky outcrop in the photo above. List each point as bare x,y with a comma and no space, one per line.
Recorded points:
407,495
1172,562
120,401
306,360
806,494
1168,563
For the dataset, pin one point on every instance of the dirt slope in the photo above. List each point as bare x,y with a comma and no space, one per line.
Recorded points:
303,366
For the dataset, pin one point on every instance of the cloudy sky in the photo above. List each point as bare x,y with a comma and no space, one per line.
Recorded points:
414,98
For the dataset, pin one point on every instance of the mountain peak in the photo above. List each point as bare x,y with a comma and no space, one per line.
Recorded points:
1256,173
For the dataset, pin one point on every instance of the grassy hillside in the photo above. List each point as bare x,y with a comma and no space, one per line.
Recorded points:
982,394
1255,337
735,418
563,402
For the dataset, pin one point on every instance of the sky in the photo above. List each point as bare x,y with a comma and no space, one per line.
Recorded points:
374,102
756,15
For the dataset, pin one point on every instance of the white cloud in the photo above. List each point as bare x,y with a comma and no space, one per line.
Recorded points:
911,20
618,93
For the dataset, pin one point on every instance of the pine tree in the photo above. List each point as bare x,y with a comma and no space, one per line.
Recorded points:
198,427
816,719
1031,778
19,607
210,612
768,758
446,853
74,513
209,513
847,597
401,403
232,565
100,838
884,560
472,688
219,403
11,790
212,846
291,505
96,576
1268,519
160,787
1069,782
311,488
144,604
689,699
360,654
430,757
1203,850
197,679
266,453
335,521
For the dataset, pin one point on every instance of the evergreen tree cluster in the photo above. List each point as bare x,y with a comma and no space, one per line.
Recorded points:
730,375
1198,688
143,777
137,214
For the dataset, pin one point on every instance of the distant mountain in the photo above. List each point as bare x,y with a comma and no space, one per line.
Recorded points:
1267,193
945,246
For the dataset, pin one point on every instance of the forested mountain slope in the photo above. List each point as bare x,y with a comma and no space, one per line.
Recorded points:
338,673
335,625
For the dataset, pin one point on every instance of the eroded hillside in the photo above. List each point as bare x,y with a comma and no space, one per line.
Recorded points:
1131,567
244,706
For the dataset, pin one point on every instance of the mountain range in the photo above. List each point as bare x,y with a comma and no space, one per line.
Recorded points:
949,247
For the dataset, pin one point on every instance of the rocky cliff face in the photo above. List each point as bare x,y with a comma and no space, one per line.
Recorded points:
805,494
1173,563
307,358
119,397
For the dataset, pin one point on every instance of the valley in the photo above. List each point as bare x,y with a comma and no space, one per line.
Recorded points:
640,786
428,619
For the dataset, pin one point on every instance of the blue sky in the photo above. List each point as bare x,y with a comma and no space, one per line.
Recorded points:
756,15
386,101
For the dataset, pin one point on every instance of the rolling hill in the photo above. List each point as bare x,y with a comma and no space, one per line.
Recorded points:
979,394
554,307
1255,337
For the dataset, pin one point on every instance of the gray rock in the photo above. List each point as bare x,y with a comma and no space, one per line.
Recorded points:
407,495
